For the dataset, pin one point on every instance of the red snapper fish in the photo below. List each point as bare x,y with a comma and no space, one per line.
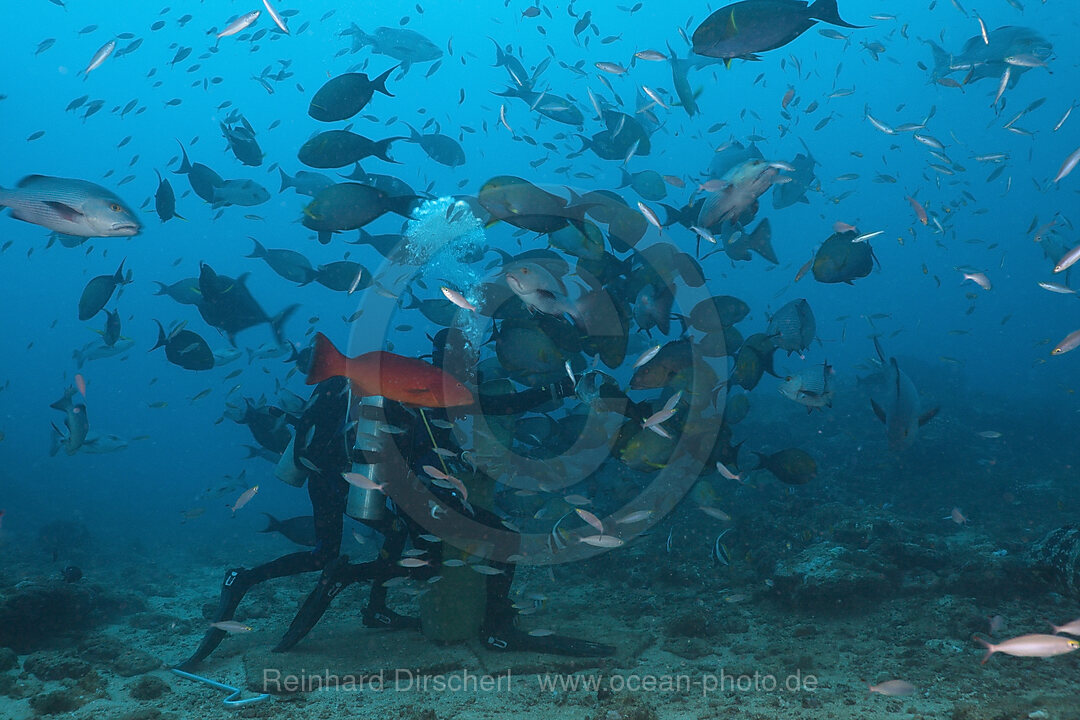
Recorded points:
395,377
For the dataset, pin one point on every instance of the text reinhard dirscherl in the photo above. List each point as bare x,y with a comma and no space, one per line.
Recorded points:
408,680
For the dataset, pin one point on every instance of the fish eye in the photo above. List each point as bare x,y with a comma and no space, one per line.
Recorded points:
115,207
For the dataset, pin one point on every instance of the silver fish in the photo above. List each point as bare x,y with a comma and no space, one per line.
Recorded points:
902,411
100,56
72,207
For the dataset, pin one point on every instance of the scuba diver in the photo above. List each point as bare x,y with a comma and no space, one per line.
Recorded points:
327,445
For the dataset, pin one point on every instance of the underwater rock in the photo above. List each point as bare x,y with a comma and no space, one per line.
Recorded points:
825,577
693,624
36,611
623,706
18,687
148,687
8,659
134,662
911,555
1056,559
121,659
149,713
56,702
47,666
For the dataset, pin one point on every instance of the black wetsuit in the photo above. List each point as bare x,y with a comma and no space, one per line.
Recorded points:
414,442
324,441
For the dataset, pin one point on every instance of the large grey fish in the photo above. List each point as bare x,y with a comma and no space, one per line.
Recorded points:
443,149
350,206
241,138
71,207
408,46
267,424
840,259
71,241
623,134
731,155
681,82
738,245
165,200
793,327
649,184
737,200
94,444
789,193
111,334
74,419
554,107
342,274
289,264
986,58
338,148
301,529
900,410
811,388
228,306
246,193
185,348
745,28
203,179
518,202
345,95
304,182
96,349
387,183
99,290
185,292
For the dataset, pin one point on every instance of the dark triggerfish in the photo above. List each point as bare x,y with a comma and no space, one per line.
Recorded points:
840,259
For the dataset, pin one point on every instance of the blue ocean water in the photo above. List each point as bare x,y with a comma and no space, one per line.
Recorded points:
983,356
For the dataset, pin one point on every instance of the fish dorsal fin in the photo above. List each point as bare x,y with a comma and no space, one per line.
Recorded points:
877,347
30,180
896,369
878,411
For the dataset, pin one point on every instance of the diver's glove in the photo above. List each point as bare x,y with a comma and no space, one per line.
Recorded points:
589,384
563,388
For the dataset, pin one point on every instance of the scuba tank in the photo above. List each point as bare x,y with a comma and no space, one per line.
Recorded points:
368,504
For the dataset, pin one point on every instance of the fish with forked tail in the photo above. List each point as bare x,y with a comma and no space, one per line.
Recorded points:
745,28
